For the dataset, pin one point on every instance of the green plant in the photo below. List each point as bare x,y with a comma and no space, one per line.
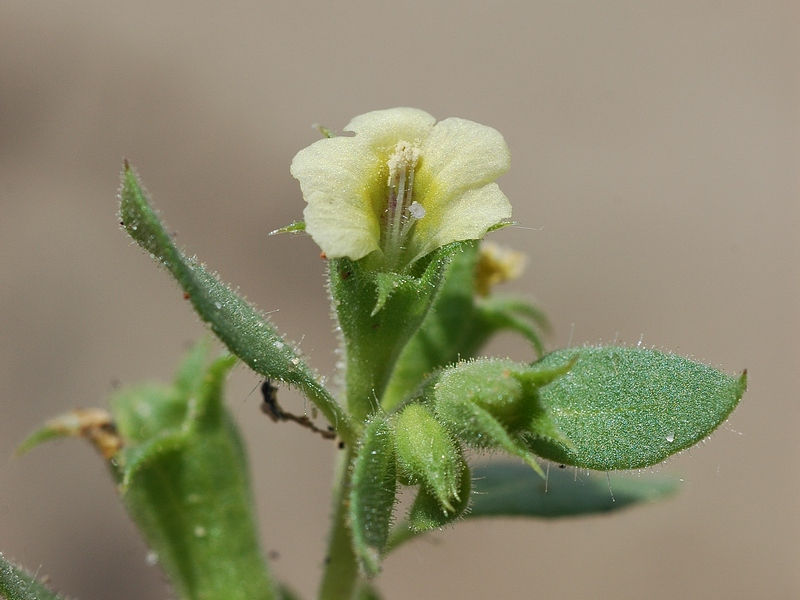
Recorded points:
398,210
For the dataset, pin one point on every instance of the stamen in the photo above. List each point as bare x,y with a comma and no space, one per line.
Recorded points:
402,211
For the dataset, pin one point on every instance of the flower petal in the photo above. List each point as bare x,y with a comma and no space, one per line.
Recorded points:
459,155
343,179
466,217
340,180
345,183
382,129
339,232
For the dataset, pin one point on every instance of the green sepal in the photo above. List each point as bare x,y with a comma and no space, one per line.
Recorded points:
18,584
628,408
149,411
427,512
94,425
386,284
186,486
245,331
378,313
373,494
428,455
504,489
494,403
294,227
458,325
477,428
501,225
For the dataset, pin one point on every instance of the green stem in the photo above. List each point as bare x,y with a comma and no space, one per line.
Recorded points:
341,570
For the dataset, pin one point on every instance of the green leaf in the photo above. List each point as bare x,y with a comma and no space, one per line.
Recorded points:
246,332
378,313
627,408
185,484
17,584
373,494
505,489
507,313
458,326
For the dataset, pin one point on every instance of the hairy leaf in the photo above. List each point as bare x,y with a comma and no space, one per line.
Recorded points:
627,408
245,331
17,584
507,489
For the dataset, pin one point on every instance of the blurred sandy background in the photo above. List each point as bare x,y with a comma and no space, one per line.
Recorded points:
655,152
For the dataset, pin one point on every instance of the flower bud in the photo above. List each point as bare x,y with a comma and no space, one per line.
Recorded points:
372,495
427,513
428,455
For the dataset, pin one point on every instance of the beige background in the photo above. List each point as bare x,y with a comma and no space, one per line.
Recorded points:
655,167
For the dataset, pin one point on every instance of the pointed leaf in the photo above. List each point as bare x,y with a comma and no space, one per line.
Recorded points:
17,584
294,227
627,408
245,331
505,313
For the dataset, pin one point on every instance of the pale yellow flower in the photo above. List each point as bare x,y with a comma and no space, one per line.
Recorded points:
402,186
495,265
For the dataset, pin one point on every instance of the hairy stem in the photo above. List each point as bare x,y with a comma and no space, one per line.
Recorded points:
341,571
